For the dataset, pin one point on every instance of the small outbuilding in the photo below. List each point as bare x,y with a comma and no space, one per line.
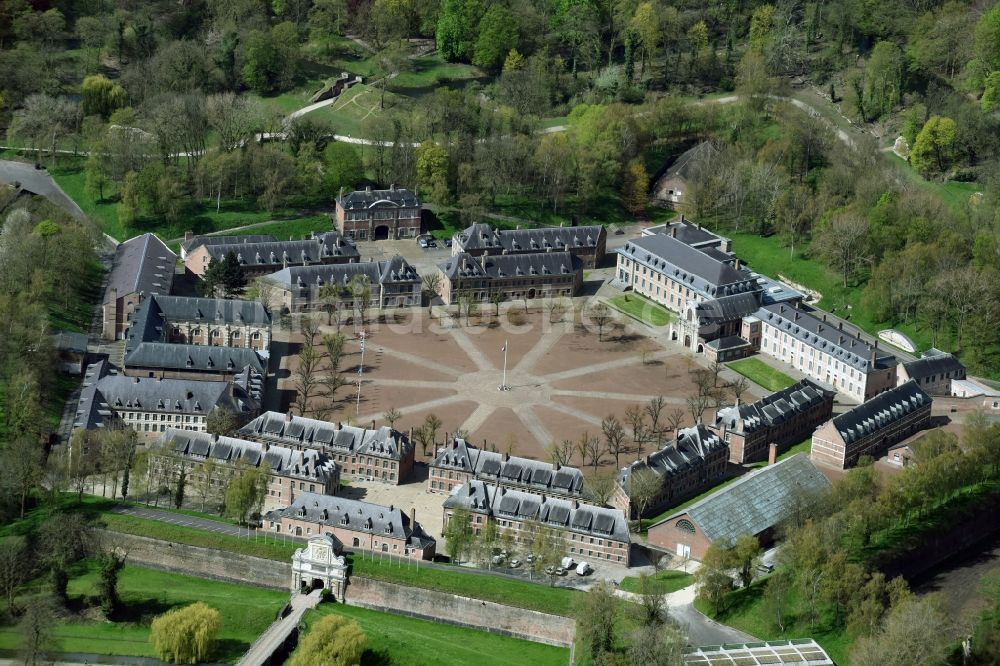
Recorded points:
755,505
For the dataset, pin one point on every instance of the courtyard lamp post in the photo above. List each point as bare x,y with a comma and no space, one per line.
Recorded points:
503,386
361,368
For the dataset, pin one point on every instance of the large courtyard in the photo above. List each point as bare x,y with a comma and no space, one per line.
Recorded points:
564,376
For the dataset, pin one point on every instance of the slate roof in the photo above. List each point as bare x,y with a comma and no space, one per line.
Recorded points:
683,165
146,323
306,465
69,341
688,232
197,241
395,270
394,196
354,515
535,475
557,239
690,266
195,358
105,393
882,410
843,345
756,502
310,251
337,437
690,448
565,514
141,264
938,364
503,266
773,409
728,308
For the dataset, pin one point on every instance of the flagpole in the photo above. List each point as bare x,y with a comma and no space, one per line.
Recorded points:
503,386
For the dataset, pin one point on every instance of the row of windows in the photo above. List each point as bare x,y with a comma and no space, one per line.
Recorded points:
146,416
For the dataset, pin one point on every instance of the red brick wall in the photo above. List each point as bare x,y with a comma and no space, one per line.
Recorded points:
667,536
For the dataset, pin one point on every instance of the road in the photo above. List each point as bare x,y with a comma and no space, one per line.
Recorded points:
263,649
40,182
197,523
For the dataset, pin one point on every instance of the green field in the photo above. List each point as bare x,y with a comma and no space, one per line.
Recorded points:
745,612
641,308
662,582
397,639
245,613
954,194
761,373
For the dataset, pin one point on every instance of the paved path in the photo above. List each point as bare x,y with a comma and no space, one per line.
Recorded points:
40,182
271,640
203,524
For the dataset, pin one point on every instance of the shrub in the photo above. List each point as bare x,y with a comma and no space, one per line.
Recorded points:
185,635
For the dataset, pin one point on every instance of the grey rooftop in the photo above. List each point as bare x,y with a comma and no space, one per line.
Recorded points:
363,199
502,266
531,474
338,437
195,358
879,412
692,267
756,502
393,270
143,264
270,253
482,236
690,447
774,408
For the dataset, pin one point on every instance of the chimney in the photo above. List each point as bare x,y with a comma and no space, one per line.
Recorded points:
557,467
339,425
737,263
392,507
373,424
288,415
824,317
840,339
873,357
506,457
215,437
683,220
188,235
646,460
673,232
840,325
772,453
368,189
819,328
413,516
454,442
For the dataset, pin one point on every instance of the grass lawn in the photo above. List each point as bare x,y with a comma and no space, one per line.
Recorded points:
605,209
761,373
954,194
397,639
643,309
663,582
500,589
769,256
352,108
245,613
745,612
72,180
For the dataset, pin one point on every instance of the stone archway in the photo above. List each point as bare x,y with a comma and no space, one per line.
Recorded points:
381,233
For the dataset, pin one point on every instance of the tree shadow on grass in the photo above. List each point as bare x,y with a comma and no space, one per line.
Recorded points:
376,658
229,650
143,610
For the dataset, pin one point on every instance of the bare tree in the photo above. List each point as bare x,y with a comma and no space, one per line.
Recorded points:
738,387
556,308
614,436
844,242
331,297
235,119
697,404
310,359
654,410
715,368
496,298
430,284
391,415
643,487
561,453
601,488
600,314
432,423
593,449
637,422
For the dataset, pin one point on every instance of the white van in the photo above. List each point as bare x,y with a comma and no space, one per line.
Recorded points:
582,569
567,563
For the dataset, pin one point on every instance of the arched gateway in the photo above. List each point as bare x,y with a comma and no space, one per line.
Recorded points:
319,565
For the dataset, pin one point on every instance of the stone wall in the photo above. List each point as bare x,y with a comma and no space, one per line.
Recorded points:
460,611
205,562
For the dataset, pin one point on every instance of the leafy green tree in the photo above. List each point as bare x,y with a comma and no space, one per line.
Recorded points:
96,172
186,635
245,493
222,421
761,27
933,149
456,28
110,563
714,583
100,96
37,640
234,279
987,42
991,93
458,533
745,554
129,203
270,58
432,171
883,79
15,569
497,37
596,613
635,187
343,166
645,25
913,634
332,641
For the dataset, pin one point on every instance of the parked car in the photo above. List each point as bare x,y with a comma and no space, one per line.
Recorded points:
764,567
498,559
447,242
424,242
531,559
567,563
515,563
550,570
582,569
560,571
